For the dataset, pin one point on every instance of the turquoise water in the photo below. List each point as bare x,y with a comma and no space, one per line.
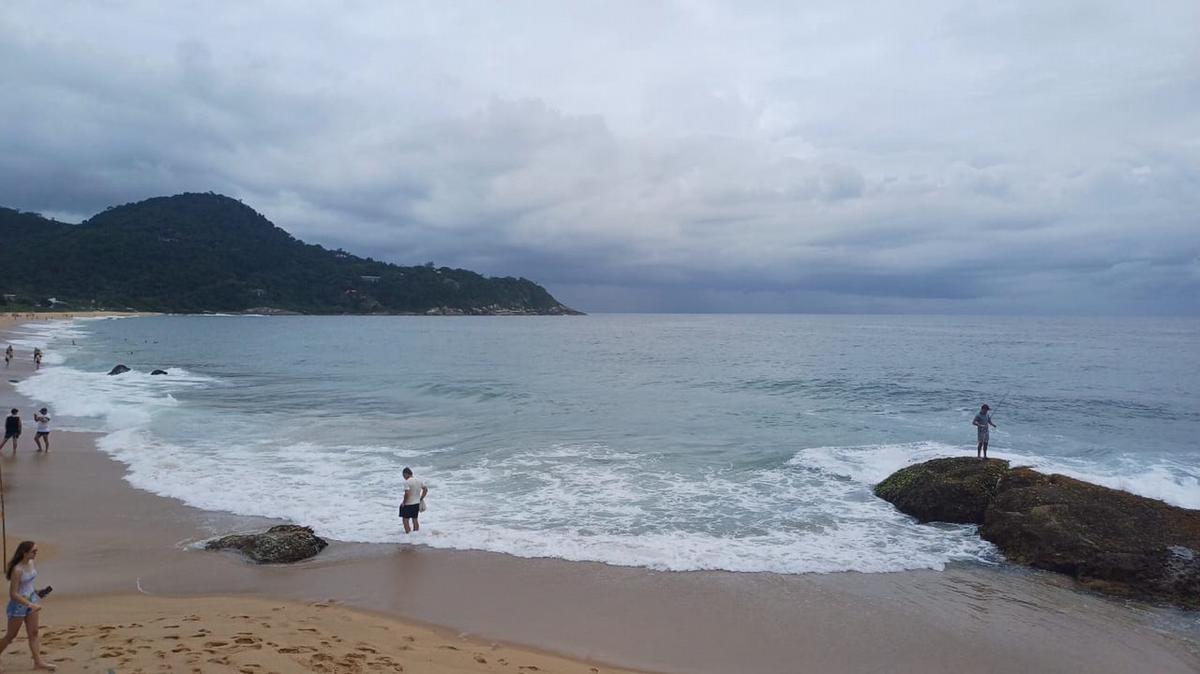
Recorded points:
746,443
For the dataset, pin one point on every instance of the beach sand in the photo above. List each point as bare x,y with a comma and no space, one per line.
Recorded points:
132,633
122,562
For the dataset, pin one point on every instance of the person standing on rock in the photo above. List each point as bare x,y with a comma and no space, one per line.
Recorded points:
12,430
981,422
414,498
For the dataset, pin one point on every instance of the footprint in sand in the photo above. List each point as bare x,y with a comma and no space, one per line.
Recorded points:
296,649
480,659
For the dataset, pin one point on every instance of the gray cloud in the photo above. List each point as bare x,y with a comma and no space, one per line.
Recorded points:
692,156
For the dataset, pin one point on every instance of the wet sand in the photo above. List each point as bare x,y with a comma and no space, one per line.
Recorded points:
102,536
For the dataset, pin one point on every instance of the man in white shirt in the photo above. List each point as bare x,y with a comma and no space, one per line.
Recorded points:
42,437
410,506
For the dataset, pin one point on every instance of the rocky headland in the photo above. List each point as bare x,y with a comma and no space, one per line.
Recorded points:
1107,539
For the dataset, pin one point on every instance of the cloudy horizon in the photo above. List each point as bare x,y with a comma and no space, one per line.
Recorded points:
691,156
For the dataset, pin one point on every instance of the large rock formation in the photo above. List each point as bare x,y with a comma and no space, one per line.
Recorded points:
944,490
281,544
1108,539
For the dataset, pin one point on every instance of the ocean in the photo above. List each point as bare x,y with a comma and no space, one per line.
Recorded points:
671,442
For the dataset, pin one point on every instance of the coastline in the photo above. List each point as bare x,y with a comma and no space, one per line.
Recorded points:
104,537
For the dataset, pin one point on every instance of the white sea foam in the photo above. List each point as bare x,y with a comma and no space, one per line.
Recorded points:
1172,482
569,511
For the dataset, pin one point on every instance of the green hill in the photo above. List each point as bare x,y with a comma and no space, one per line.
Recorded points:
206,252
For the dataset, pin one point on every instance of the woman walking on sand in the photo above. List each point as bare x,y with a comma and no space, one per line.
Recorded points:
23,600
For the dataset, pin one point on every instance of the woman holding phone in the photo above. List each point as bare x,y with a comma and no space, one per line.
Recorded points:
23,606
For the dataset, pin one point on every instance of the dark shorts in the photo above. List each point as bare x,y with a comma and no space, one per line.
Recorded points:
41,434
410,511
12,434
983,435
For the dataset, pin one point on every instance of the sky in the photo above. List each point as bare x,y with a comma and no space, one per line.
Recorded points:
693,156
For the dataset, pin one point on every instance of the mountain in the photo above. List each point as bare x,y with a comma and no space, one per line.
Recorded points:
194,253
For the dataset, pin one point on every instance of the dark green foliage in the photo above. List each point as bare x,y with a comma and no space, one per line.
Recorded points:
206,252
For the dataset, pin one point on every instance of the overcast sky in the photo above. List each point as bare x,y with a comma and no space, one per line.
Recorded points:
992,157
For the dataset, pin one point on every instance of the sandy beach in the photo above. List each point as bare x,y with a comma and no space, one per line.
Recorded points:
132,594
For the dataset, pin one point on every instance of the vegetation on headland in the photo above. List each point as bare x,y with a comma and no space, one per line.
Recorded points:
194,253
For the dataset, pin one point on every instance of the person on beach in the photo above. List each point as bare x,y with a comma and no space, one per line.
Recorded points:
410,507
981,423
8,355
12,430
42,437
37,358
23,606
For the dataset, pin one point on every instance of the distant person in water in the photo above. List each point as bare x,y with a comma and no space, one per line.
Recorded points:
24,601
37,358
8,355
981,422
42,437
410,506
12,430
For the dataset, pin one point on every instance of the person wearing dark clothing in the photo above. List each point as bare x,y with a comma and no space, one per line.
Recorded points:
12,430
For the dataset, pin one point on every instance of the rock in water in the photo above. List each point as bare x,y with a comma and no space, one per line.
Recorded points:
118,369
281,544
159,372
1108,539
944,490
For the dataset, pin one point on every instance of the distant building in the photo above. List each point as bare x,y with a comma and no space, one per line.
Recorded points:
370,279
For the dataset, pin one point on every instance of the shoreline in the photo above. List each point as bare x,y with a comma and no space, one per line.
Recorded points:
118,539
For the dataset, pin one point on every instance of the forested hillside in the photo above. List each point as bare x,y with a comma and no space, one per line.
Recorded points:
207,252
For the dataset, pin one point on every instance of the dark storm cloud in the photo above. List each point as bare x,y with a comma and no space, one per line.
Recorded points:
651,156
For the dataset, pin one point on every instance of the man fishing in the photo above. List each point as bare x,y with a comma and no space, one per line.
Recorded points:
981,422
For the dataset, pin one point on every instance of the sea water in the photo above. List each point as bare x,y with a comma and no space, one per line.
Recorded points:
744,443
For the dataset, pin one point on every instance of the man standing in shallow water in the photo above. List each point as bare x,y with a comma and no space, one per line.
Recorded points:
12,430
981,423
42,437
410,506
